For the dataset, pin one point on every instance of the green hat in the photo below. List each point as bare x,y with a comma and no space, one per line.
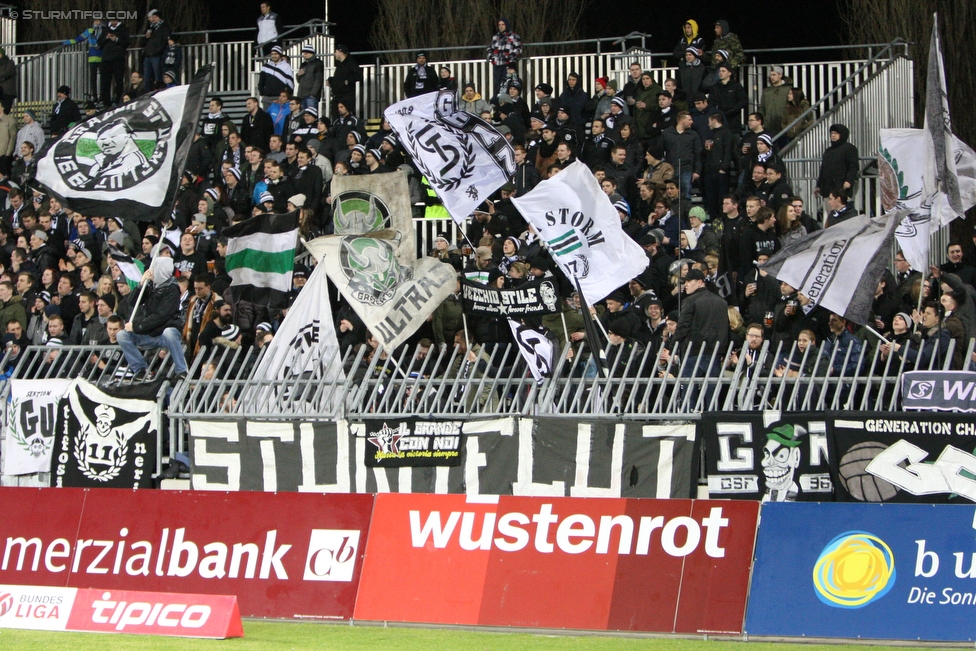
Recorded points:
698,212
785,435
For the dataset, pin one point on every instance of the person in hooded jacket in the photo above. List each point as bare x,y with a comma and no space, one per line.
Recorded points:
726,40
157,322
471,101
839,167
574,99
689,39
504,50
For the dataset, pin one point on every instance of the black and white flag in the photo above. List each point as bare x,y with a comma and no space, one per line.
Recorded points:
131,268
105,441
839,267
31,417
536,348
463,157
127,162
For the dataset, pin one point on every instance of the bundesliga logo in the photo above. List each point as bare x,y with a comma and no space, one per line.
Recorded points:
116,150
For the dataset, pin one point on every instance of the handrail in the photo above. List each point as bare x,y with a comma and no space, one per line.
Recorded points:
890,47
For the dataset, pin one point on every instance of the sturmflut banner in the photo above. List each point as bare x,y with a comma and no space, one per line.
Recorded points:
506,456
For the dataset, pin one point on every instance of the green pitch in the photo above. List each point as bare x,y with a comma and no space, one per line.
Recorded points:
259,635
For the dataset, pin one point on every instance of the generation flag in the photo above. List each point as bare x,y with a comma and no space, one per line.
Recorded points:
127,161
463,157
392,299
839,267
582,230
261,257
363,203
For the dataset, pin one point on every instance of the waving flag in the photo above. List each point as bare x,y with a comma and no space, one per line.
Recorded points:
261,257
839,267
463,157
127,162
582,229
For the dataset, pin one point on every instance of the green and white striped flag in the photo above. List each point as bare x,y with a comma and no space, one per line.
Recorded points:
261,258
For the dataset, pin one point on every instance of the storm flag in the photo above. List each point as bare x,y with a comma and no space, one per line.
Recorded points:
582,230
463,157
127,161
839,267
261,258
536,349
391,298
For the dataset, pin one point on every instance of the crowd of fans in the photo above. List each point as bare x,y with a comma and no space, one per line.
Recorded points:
708,199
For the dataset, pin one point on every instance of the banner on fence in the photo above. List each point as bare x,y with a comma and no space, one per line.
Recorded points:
532,298
883,571
648,565
939,391
105,441
904,457
505,456
412,442
41,608
31,418
768,456
285,555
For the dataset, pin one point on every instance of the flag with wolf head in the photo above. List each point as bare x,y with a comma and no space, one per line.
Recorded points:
363,203
391,298
102,440
127,161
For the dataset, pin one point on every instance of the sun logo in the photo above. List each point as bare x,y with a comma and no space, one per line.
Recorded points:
854,569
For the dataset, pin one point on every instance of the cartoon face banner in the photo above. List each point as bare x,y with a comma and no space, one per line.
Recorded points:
127,161
767,456
103,441
31,416
904,457
410,442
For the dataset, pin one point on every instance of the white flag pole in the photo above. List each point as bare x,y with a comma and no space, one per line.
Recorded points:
142,288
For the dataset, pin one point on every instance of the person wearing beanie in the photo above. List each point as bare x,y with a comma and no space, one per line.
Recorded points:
471,101
64,114
276,76
840,166
574,99
729,96
421,78
691,71
311,77
505,49
729,42
345,75
600,104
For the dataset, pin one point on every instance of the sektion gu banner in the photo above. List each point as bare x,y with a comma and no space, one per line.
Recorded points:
878,571
532,298
31,420
904,457
768,456
103,441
